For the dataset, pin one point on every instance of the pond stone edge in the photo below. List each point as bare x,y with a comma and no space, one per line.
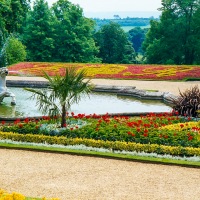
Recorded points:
118,90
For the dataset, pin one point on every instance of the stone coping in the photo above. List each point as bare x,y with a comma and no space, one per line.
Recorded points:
132,91
118,90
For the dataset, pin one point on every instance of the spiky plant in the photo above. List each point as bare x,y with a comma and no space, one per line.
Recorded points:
61,93
188,102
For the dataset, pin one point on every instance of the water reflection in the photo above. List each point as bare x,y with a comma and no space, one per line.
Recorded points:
99,103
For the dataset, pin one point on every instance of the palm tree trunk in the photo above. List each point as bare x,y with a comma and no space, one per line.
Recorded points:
63,119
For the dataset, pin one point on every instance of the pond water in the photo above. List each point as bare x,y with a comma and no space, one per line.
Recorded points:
99,103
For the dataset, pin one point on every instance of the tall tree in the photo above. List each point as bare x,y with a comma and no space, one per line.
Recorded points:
114,44
38,33
136,36
73,34
174,39
13,14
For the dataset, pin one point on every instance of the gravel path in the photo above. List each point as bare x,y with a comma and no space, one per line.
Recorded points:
89,178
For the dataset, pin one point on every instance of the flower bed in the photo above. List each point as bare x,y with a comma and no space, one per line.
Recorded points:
145,133
113,71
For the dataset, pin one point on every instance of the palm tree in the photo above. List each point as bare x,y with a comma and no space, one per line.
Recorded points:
62,92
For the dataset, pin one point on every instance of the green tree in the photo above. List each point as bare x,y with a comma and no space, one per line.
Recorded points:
114,45
4,10
175,38
38,33
136,36
13,14
73,34
61,93
15,51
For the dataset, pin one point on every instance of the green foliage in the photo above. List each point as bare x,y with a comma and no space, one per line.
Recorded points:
15,51
59,34
12,15
73,34
38,33
114,44
61,93
137,36
175,39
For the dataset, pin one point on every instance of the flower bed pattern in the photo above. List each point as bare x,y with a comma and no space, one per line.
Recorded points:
112,71
153,129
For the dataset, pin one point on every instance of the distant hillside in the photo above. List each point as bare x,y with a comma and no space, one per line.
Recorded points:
125,14
125,22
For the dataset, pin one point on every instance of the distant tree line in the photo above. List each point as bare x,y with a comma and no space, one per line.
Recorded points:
61,33
128,21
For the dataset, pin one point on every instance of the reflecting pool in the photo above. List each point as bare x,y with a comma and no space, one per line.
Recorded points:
99,103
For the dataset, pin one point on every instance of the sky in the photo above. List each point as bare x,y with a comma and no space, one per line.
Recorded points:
103,6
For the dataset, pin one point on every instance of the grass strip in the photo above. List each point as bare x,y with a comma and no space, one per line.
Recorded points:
143,159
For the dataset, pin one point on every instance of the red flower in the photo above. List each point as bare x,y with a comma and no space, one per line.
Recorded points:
20,125
145,134
181,125
65,125
190,137
115,126
71,129
16,121
3,122
165,136
133,135
138,129
72,113
97,129
129,133
26,120
145,131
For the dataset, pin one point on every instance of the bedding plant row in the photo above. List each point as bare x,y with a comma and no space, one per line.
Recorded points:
165,129
111,71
